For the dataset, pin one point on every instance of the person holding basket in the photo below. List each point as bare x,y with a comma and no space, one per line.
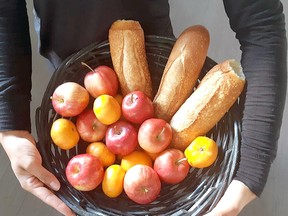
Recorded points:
64,27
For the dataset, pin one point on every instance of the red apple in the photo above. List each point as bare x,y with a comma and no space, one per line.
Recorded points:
137,107
70,99
101,80
171,166
154,135
142,184
84,172
121,138
89,127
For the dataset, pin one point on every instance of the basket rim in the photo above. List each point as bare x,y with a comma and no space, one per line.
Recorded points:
219,181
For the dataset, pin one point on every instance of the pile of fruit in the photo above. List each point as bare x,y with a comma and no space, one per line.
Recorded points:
128,148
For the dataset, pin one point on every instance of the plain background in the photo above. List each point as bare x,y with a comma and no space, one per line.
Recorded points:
16,202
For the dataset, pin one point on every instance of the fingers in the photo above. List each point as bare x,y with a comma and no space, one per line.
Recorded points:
26,163
45,176
212,214
36,187
235,198
52,200
33,165
33,180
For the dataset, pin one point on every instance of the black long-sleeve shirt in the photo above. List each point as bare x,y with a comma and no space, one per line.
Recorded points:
67,26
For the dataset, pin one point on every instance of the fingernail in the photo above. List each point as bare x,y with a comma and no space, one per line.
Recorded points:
55,186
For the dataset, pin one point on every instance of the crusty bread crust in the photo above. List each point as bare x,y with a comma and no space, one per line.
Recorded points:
182,70
216,93
127,47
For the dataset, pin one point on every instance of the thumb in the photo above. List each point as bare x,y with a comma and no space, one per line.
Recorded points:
45,176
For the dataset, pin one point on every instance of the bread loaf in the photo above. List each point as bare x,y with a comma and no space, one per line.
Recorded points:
127,47
182,70
216,93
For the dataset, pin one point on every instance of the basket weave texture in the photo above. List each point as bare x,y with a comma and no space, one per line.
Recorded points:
197,194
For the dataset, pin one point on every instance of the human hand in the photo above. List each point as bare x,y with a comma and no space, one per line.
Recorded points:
26,163
236,197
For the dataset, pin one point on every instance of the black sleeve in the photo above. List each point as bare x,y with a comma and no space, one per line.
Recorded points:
15,66
260,28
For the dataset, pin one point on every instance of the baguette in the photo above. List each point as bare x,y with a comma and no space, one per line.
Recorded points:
128,54
216,93
181,71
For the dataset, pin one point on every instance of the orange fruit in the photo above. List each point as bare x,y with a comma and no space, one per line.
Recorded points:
64,133
100,150
112,183
119,98
107,109
202,152
153,156
136,157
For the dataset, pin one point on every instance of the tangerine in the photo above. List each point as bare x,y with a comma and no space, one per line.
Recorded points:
100,150
107,109
119,98
112,184
136,157
202,152
153,156
64,133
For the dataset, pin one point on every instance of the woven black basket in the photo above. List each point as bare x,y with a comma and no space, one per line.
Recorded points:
197,194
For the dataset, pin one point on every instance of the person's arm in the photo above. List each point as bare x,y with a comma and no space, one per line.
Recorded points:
15,87
15,66
260,28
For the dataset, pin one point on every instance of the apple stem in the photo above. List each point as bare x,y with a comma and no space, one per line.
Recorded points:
94,127
159,135
132,98
83,63
76,169
117,130
182,159
60,100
